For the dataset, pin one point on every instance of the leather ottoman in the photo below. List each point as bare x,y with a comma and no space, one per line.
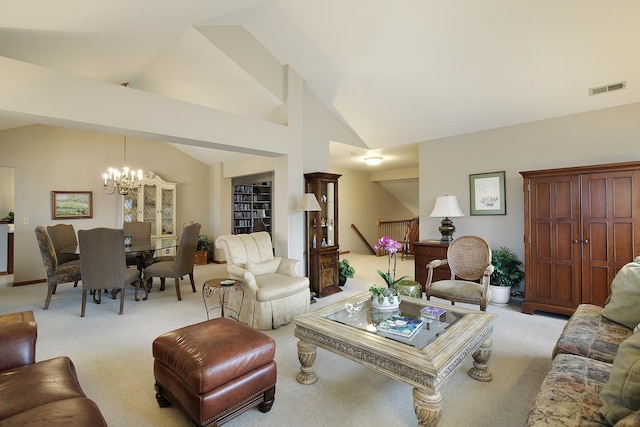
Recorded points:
215,370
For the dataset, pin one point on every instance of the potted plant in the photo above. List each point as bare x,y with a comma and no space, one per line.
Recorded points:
506,276
345,271
387,297
202,250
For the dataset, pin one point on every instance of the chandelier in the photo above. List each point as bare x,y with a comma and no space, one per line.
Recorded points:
122,181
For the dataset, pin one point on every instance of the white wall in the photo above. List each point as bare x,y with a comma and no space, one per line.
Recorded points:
604,136
6,191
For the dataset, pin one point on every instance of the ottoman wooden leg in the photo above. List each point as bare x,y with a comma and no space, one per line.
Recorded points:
162,401
269,398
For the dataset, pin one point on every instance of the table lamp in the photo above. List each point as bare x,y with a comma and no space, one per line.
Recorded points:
446,206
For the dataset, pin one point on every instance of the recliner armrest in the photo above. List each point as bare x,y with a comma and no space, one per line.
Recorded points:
17,344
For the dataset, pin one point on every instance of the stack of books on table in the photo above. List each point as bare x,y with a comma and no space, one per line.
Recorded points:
400,326
434,313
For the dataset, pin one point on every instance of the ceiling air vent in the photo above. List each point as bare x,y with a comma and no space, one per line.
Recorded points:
607,88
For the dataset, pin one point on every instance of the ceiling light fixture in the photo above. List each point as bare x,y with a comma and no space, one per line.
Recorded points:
372,161
123,181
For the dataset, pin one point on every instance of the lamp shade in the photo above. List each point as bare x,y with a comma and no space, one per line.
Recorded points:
309,203
447,206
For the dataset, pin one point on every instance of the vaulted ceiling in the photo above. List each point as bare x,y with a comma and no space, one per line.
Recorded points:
396,72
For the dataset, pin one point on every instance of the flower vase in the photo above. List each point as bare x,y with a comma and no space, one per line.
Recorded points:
388,303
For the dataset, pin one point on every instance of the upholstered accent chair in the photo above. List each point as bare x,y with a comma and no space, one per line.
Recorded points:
63,236
103,264
56,273
274,291
183,262
469,259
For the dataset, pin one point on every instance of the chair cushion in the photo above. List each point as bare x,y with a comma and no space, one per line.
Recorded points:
621,395
458,289
269,266
161,269
625,296
275,286
76,412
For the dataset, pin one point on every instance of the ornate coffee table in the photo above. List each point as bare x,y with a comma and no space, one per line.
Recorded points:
425,361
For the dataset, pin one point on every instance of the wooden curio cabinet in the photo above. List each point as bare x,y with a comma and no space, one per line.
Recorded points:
323,245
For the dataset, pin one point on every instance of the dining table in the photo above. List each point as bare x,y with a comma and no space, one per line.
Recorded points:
144,251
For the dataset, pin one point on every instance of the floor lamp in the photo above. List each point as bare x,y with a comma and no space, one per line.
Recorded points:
308,203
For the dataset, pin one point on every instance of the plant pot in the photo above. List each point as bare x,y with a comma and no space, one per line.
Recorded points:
202,258
342,280
389,303
500,295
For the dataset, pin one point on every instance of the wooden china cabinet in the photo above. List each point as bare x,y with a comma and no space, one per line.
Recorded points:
581,225
322,235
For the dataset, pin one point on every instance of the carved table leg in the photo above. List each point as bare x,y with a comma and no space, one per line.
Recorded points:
428,407
480,370
306,356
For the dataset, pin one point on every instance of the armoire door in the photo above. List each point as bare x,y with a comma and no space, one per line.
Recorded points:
608,229
553,270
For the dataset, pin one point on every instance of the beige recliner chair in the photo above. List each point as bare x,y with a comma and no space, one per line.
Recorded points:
274,292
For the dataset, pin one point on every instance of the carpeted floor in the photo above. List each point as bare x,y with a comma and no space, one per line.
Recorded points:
113,358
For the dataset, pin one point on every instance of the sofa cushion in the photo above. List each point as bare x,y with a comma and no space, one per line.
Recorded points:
569,395
621,395
589,334
269,266
76,412
625,296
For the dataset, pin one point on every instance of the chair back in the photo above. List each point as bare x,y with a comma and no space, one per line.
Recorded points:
140,231
187,246
468,257
47,251
102,258
63,236
240,248
259,225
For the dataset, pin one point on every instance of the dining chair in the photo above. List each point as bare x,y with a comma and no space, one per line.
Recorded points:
56,273
469,259
410,237
103,264
63,236
140,232
183,262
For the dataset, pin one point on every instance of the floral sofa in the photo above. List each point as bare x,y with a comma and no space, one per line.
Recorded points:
594,378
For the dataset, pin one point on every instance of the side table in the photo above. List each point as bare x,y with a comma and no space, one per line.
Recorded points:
221,287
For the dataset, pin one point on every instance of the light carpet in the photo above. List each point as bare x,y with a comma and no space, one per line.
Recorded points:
113,359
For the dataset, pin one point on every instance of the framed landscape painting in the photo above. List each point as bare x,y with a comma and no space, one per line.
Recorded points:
71,204
487,194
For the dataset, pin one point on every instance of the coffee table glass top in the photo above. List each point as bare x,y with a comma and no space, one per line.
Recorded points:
369,319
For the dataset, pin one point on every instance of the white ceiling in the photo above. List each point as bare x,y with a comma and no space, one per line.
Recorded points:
396,72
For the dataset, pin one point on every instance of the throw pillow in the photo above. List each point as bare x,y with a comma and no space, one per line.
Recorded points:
269,266
621,395
625,296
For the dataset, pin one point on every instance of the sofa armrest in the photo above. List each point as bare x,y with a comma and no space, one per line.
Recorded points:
289,267
631,420
17,344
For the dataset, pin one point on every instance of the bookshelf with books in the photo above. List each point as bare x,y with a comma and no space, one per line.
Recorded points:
251,206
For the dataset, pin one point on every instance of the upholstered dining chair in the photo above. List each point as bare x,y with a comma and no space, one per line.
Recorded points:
63,236
140,231
469,259
274,291
183,262
56,273
103,264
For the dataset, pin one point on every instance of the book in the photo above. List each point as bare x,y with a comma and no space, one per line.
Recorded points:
435,313
401,326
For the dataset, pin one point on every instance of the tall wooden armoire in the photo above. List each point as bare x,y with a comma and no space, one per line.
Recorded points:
581,225
322,245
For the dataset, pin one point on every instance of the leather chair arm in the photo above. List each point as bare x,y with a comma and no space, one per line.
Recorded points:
17,344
